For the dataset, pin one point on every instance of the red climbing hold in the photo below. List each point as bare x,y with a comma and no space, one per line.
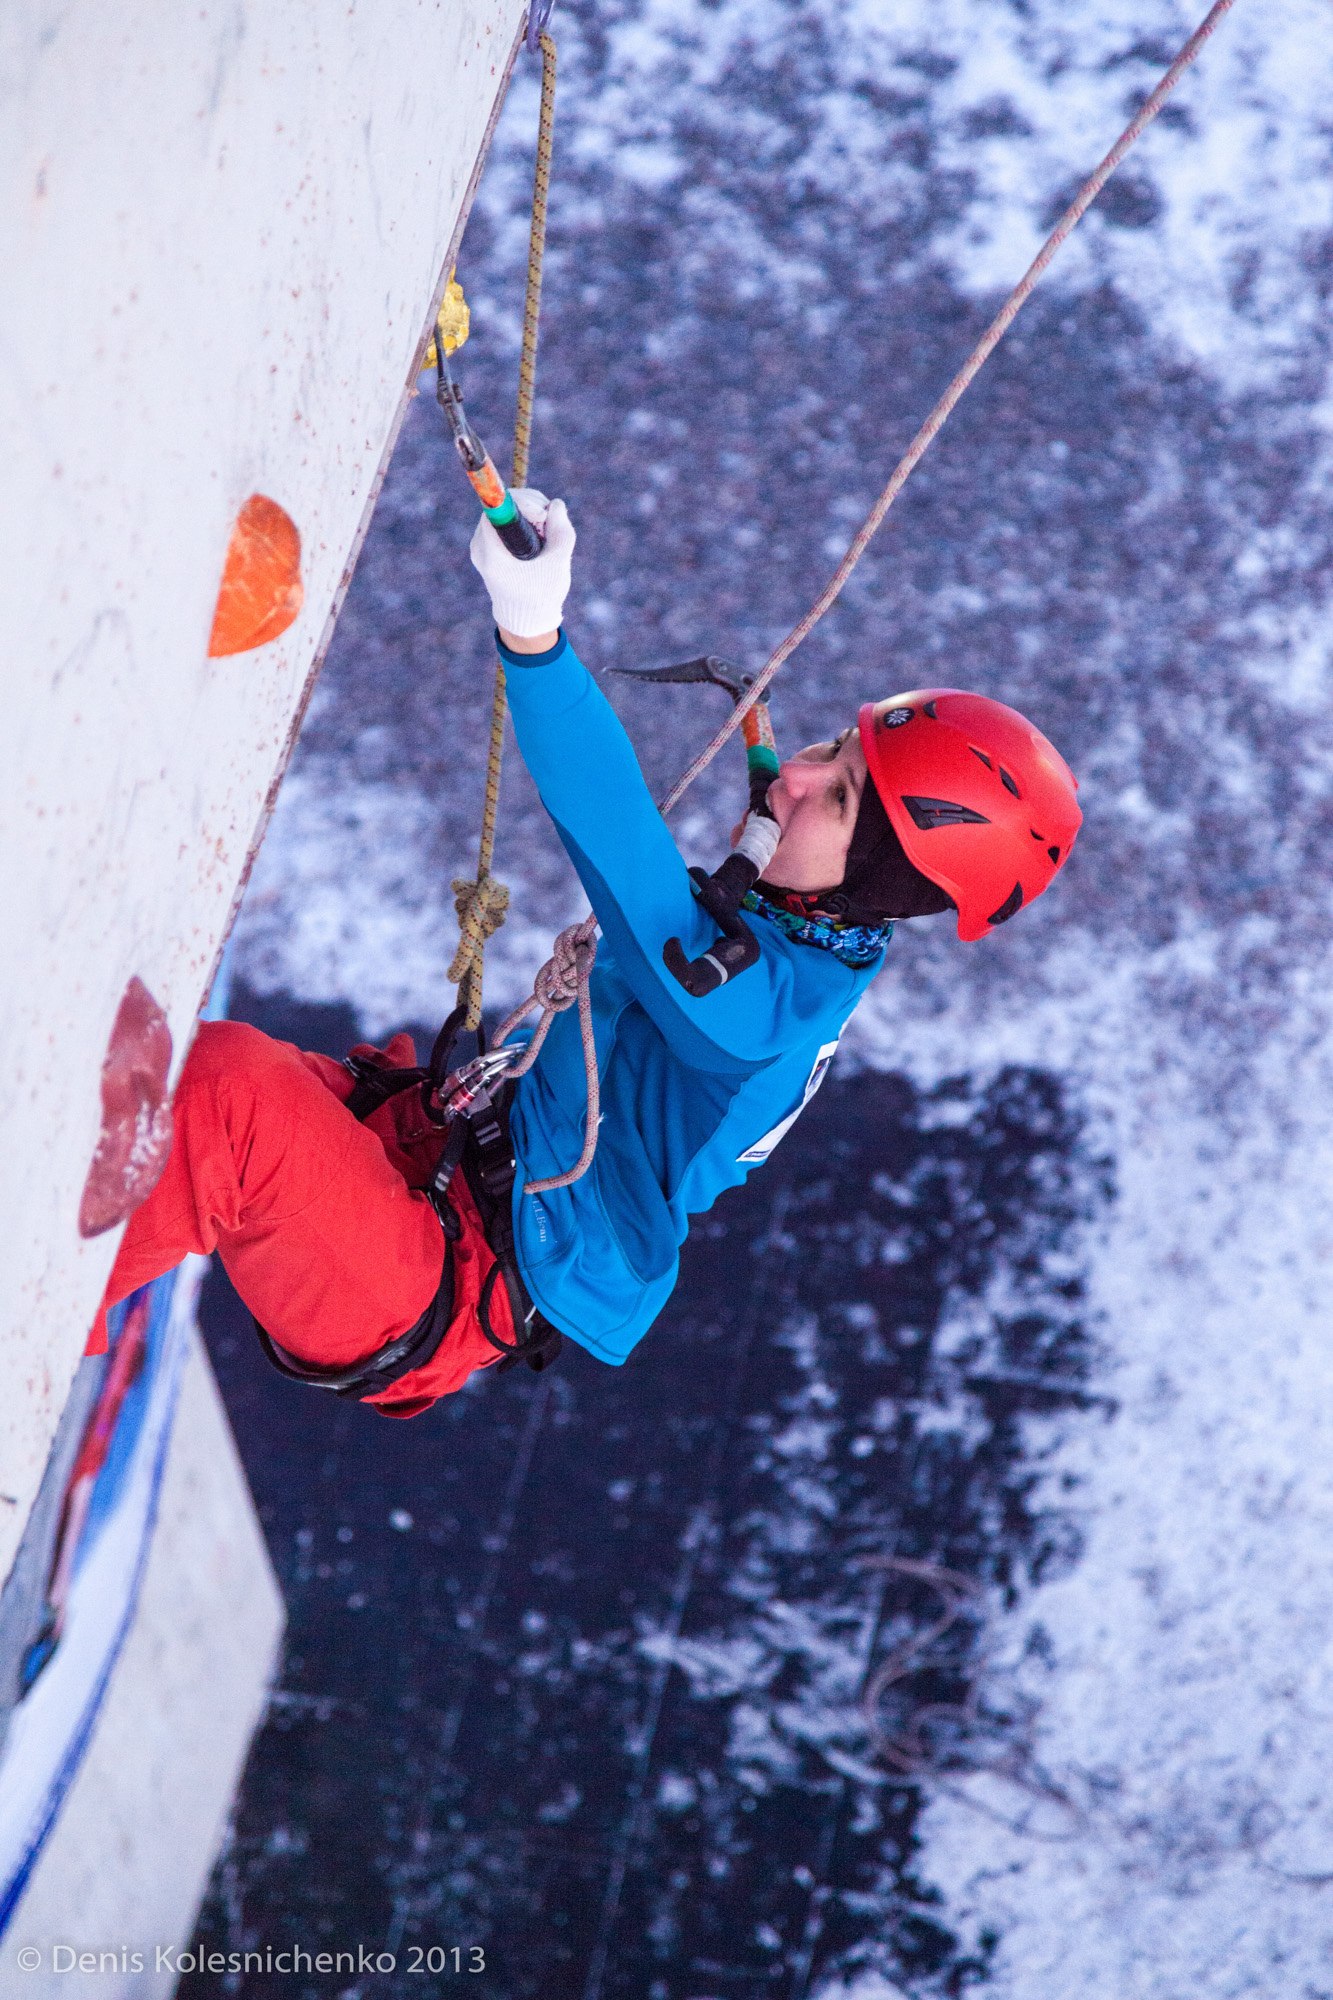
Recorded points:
261,590
135,1139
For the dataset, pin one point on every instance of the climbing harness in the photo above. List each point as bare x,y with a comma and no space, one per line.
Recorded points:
470,1106
363,1379
374,1085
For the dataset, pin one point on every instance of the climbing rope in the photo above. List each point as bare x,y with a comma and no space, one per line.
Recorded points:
532,301
562,980
980,354
482,903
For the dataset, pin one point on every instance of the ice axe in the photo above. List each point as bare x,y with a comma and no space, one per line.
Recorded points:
722,892
709,667
497,502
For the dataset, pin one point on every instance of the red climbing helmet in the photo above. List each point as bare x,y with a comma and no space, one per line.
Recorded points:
982,803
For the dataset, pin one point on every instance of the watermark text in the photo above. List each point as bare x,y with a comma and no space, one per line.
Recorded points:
363,1961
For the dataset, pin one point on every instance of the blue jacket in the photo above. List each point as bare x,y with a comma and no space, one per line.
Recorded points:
694,1092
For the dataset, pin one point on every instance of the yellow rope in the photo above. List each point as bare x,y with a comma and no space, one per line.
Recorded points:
482,907
482,904
541,181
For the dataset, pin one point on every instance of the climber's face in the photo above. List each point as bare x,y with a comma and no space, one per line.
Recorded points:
814,799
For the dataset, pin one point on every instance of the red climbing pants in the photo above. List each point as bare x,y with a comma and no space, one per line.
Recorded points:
319,1219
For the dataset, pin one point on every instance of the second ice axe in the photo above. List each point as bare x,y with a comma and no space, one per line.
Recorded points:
722,893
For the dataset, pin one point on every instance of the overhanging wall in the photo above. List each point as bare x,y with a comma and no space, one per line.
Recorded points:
223,229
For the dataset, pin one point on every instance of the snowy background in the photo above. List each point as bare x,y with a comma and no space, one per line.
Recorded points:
776,230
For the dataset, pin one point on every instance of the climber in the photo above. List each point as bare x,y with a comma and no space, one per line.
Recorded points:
929,801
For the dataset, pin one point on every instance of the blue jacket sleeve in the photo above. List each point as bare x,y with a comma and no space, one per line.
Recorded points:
589,780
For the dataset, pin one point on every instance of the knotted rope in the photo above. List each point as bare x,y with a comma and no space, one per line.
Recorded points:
482,903
481,908
563,980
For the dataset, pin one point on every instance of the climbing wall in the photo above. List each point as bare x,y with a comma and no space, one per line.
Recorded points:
224,232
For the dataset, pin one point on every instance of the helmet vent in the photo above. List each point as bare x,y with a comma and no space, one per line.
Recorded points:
932,813
928,708
981,753
1054,853
1010,784
1011,905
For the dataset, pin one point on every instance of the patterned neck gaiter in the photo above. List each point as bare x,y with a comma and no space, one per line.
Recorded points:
853,945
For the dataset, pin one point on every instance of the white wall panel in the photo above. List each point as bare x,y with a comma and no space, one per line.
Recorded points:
222,230
128,1859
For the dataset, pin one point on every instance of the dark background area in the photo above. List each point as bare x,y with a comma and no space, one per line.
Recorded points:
574,1662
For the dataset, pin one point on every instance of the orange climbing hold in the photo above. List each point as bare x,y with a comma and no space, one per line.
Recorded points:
261,590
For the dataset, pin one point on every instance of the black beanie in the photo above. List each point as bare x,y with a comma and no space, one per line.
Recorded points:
879,883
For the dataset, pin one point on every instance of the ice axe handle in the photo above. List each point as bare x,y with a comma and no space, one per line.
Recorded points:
734,952
517,533
514,528
502,511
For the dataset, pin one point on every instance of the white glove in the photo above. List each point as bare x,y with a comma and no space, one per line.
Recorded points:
527,598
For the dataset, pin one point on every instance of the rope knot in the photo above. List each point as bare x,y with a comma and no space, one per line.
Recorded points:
565,971
481,907
562,980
